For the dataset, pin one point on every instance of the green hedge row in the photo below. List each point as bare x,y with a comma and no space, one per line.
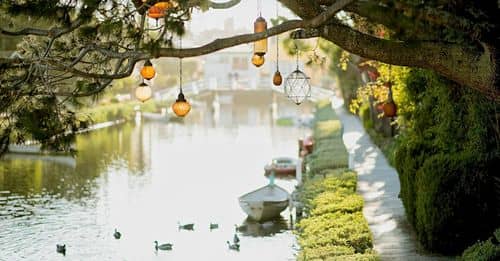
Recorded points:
447,162
334,227
488,250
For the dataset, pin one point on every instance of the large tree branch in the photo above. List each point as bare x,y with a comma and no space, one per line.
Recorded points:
476,69
223,43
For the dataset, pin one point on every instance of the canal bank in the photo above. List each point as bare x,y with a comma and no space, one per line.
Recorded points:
333,226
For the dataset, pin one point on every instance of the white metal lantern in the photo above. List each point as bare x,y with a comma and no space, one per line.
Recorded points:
297,87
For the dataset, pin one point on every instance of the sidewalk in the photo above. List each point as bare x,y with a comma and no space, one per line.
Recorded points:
378,183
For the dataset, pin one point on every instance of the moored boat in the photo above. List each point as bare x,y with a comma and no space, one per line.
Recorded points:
282,166
265,203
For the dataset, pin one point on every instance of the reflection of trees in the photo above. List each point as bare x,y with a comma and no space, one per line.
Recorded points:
97,151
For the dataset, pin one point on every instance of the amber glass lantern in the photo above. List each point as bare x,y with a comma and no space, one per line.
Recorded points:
163,5
156,12
258,60
143,92
260,46
181,107
148,71
277,79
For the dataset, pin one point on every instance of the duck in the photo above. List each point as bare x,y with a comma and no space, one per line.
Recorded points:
236,239
233,246
166,246
117,234
186,226
214,226
61,249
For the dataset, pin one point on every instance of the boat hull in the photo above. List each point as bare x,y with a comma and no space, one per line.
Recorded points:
262,211
265,203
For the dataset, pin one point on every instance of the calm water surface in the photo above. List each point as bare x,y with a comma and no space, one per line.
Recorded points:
143,179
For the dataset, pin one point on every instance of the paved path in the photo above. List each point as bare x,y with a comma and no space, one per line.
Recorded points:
378,183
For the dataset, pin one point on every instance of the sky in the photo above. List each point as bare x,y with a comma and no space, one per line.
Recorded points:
243,14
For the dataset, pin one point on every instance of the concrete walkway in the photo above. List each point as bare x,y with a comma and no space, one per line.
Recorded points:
378,183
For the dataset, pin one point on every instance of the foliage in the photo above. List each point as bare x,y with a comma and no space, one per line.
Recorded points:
488,250
445,157
335,228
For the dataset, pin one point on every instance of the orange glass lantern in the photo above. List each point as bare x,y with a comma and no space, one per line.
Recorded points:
181,107
390,109
163,5
260,46
148,71
277,79
143,92
258,60
156,12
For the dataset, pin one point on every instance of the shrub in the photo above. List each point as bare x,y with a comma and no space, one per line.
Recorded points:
453,204
482,251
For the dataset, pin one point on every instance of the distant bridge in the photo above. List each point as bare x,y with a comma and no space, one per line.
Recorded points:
200,87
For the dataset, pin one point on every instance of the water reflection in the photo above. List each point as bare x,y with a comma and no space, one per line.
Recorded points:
253,228
143,179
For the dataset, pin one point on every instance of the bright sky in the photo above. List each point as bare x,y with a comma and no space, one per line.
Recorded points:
243,14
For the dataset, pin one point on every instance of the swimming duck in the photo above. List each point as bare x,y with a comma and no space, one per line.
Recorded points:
236,239
186,226
117,234
233,246
214,226
61,249
166,246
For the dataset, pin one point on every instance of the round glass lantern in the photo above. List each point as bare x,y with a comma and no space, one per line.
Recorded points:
297,88
148,71
143,92
258,60
181,107
156,12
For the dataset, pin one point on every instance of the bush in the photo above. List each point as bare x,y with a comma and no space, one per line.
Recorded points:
335,228
488,250
446,160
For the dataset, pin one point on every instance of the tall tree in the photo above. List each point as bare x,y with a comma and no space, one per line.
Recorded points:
89,43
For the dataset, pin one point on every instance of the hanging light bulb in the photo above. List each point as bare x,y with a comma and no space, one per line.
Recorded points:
148,71
277,79
258,60
260,46
181,107
143,92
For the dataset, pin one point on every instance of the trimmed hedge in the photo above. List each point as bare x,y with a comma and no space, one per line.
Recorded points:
488,250
334,227
447,161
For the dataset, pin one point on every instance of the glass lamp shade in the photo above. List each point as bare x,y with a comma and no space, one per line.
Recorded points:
390,109
163,5
181,107
297,87
148,71
260,46
277,79
258,60
143,92
156,12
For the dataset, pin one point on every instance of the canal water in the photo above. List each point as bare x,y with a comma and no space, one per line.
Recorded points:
144,178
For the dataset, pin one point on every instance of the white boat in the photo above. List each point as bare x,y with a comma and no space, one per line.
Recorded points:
265,203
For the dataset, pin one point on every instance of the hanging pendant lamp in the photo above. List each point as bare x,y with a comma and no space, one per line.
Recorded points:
181,107
143,92
148,71
389,107
260,46
297,87
258,60
277,79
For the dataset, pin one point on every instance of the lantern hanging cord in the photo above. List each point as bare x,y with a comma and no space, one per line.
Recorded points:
259,7
297,53
277,40
180,65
